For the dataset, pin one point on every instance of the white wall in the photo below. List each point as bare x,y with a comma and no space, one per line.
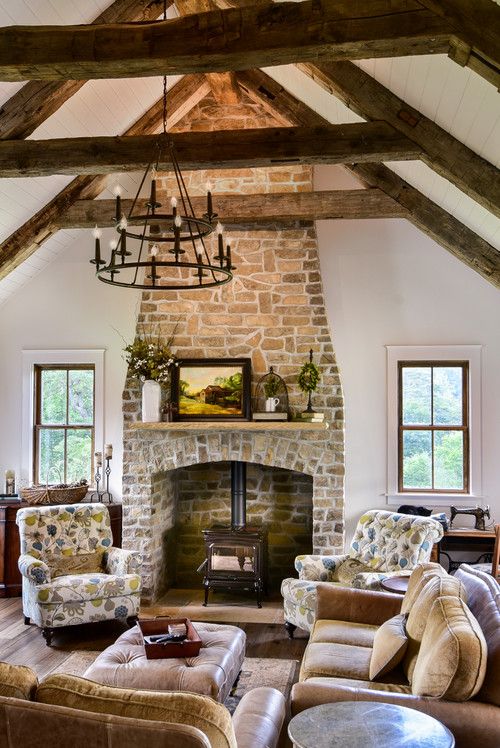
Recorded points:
386,283
65,306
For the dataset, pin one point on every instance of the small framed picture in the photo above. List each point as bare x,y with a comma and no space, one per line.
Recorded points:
211,389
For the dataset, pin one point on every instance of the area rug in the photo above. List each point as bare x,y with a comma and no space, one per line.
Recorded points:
255,672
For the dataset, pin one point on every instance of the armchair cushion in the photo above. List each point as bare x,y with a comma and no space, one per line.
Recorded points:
83,587
79,563
389,646
349,570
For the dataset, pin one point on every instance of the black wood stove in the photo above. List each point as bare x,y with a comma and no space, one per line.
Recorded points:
236,556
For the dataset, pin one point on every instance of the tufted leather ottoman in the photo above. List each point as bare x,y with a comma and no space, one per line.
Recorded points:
212,673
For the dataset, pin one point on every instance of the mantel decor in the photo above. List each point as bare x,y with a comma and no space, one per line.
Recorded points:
271,398
150,360
308,380
211,389
157,249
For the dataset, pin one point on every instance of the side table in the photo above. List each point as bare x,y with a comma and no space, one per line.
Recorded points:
399,585
367,724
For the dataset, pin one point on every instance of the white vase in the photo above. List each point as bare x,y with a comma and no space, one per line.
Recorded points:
151,401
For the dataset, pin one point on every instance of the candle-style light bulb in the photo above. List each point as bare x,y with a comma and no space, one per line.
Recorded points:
117,192
173,203
154,250
113,244
219,229
97,233
178,222
123,223
209,200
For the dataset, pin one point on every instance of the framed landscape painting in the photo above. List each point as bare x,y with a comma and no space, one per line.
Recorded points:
211,389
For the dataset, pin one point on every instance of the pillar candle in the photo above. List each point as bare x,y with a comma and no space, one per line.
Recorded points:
108,451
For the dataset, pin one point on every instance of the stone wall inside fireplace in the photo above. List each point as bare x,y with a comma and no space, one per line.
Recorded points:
273,313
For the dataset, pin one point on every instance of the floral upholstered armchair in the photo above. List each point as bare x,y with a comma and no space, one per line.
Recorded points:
385,544
71,573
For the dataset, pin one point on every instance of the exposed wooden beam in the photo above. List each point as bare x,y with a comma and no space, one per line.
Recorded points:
479,22
223,40
223,85
440,151
437,223
334,144
31,235
34,102
235,210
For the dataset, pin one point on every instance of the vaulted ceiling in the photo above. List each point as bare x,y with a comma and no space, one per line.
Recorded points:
418,127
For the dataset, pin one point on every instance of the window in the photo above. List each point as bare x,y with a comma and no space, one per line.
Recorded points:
64,423
434,425
433,433
62,419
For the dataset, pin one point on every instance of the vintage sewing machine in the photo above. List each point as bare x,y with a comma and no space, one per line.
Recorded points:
476,511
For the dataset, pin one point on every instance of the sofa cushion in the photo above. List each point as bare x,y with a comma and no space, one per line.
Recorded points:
435,587
344,632
483,600
341,660
421,574
452,660
202,712
17,681
389,646
61,565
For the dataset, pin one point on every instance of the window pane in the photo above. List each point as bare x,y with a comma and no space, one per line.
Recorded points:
448,395
416,395
79,446
81,396
53,404
417,459
448,460
51,459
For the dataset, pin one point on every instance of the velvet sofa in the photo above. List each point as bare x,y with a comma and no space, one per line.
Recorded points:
66,710
450,666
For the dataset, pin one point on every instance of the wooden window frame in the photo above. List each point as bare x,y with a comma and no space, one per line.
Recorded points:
38,426
433,428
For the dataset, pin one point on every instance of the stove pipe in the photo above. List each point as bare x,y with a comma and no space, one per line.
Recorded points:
238,494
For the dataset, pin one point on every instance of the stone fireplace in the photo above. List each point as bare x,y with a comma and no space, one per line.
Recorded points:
177,481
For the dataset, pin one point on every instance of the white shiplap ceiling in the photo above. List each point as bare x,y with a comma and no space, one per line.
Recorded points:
455,98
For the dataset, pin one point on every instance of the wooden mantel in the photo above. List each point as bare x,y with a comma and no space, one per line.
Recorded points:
229,426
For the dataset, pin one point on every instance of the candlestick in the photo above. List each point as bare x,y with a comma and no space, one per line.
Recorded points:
10,482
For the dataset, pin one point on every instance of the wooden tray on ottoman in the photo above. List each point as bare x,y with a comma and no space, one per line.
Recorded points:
190,647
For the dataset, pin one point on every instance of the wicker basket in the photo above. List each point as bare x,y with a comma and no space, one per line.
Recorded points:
47,495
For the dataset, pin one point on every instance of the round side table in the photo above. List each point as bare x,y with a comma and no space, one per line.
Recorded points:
367,724
399,585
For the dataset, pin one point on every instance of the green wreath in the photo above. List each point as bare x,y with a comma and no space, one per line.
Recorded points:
309,377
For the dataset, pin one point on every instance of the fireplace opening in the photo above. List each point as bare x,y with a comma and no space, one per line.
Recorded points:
239,498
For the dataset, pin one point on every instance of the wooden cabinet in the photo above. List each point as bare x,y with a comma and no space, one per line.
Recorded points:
10,578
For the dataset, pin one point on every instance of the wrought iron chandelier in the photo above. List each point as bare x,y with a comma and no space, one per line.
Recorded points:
166,251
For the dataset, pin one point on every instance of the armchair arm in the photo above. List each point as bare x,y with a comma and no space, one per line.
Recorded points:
318,568
34,569
471,722
356,606
258,718
118,561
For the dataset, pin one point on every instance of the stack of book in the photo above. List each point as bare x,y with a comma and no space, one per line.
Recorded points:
270,416
310,417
